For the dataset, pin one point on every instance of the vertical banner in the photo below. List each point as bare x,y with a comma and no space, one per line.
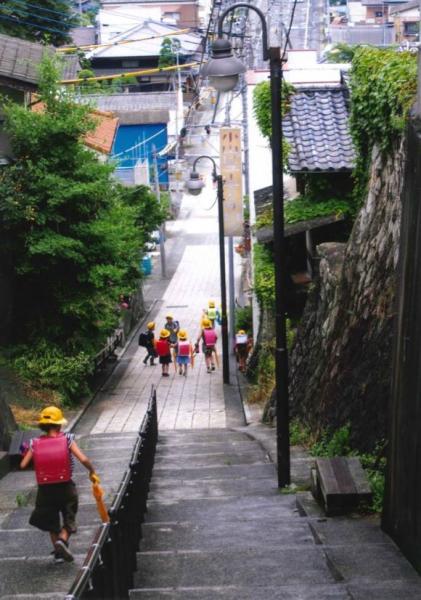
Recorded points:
232,175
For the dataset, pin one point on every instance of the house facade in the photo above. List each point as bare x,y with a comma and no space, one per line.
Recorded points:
406,22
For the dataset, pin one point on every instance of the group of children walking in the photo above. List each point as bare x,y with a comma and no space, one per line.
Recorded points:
173,344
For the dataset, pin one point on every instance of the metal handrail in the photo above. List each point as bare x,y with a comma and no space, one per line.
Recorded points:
107,571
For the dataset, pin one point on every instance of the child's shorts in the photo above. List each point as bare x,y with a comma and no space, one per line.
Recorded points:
53,500
183,360
165,360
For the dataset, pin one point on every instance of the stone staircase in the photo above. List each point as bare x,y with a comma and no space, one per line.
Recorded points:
27,571
218,528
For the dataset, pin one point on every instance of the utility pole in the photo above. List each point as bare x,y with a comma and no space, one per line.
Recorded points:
162,227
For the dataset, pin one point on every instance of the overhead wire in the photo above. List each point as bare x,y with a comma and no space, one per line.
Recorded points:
39,7
36,25
288,31
25,13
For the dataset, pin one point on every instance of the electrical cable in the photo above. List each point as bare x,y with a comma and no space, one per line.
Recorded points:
287,40
39,7
25,13
36,25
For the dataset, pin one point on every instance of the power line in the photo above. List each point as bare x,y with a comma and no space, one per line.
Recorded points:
25,13
287,40
38,7
36,25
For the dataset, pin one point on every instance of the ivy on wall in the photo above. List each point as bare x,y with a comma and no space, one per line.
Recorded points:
303,209
264,276
383,89
262,110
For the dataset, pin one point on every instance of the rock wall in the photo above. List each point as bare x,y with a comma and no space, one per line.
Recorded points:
340,366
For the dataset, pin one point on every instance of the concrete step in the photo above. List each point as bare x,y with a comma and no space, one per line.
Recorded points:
193,449
235,508
389,590
227,471
231,592
222,534
24,575
288,565
29,542
200,436
172,489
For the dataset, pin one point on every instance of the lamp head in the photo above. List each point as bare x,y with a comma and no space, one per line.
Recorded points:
194,184
223,68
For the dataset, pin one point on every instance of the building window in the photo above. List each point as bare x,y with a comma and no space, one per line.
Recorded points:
378,14
171,17
411,28
129,64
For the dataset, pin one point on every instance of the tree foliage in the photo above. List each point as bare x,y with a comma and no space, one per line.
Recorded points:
45,21
76,235
168,52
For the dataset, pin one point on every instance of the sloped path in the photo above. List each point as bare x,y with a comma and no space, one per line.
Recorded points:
218,528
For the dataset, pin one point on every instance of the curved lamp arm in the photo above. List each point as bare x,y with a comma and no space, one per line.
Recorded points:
261,17
214,173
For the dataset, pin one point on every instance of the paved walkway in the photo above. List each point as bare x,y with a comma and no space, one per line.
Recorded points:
198,400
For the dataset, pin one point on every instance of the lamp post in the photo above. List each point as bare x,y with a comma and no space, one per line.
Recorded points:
223,70
195,185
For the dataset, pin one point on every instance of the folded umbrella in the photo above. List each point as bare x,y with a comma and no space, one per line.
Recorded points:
98,494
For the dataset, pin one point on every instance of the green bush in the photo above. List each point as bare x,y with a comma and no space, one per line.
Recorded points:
264,276
299,435
244,318
47,366
336,443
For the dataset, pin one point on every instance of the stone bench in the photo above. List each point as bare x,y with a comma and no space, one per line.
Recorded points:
340,484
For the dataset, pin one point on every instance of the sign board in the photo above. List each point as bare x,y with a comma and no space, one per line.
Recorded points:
232,175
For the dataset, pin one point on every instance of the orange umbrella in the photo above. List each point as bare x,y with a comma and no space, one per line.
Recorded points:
98,494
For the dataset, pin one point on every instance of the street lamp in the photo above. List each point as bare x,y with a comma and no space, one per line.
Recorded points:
223,70
194,186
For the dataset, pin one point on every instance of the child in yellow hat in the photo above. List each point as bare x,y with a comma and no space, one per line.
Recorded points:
56,503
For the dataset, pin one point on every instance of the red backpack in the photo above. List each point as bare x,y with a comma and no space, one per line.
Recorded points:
183,348
210,337
162,348
52,459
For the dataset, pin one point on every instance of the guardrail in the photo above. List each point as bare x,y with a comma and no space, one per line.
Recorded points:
107,571
108,350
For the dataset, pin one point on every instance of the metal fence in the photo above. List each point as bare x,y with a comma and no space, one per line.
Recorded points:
107,571
364,34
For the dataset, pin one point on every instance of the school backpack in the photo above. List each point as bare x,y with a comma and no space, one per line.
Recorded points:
183,348
212,314
209,337
162,348
241,338
52,459
143,339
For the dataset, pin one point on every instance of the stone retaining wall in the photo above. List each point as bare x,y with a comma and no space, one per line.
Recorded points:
340,366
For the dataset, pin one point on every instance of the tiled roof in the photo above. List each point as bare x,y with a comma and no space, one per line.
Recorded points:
102,137
403,7
19,61
317,130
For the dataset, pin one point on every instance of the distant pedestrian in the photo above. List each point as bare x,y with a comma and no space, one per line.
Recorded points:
183,352
163,349
173,327
209,339
56,503
207,129
212,312
243,345
147,339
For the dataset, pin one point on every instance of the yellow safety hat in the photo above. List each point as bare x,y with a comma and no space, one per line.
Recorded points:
164,333
241,332
182,334
211,303
51,416
151,325
206,323
169,316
